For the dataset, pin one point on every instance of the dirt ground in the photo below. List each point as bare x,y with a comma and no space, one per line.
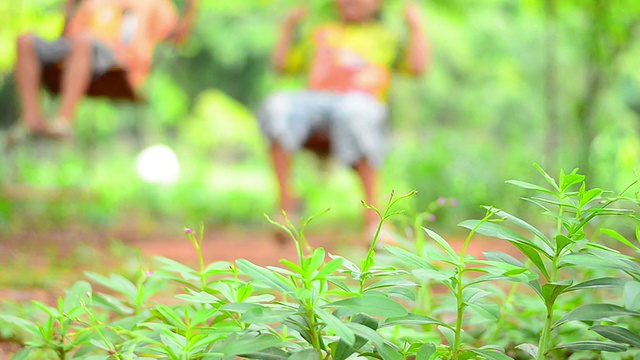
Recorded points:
222,244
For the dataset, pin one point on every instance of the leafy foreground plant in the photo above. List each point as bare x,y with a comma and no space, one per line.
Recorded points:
327,307
302,311
557,265
556,257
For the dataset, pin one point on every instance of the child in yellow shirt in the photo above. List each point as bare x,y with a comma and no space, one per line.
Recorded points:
348,65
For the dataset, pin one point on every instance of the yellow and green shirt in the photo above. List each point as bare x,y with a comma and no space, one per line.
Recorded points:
347,58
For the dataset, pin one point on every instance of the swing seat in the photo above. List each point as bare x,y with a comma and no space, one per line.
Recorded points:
319,143
113,84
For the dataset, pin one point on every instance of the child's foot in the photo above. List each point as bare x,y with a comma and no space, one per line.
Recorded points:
60,129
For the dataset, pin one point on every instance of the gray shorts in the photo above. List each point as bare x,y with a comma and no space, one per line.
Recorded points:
51,52
355,123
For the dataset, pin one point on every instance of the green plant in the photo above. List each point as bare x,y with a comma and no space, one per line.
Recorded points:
61,333
326,307
569,248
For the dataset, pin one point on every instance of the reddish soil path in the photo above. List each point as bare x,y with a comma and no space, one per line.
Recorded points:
36,249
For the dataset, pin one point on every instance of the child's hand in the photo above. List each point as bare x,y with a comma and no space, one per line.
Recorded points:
412,15
295,17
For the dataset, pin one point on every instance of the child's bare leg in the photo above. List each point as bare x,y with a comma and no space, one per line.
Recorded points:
28,72
77,75
282,165
369,178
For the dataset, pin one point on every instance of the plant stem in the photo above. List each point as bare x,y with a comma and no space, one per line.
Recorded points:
459,313
315,341
546,334
62,355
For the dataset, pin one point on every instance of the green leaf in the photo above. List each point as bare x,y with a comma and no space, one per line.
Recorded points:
168,316
47,309
443,243
238,344
264,275
267,354
426,352
112,303
595,312
562,242
293,266
306,354
551,291
21,323
22,354
601,283
315,261
372,304
448,334
412,319
490,354
201,297
501,232
77,294
521,223
329,268
590,195
342,350
116,283
528,186
389,352
390,283
570,180
530,349
265,316
632,295
590,261
366,333
535,258
614,234
412,261
502,257
486,311
335,324
618,334
174,266
546,176
592,345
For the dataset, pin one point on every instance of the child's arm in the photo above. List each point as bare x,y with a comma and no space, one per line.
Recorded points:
69,10
185,23
285,42
418,51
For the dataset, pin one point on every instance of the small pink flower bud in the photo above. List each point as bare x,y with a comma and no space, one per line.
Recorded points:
188,230
442,201
432,217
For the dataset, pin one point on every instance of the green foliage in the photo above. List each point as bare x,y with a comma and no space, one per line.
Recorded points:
484,95
325,306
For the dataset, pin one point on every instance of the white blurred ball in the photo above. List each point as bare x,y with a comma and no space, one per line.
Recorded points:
158,164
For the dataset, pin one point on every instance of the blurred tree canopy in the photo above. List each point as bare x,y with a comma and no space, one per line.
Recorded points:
510,83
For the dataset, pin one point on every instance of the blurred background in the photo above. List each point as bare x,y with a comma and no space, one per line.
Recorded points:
511,83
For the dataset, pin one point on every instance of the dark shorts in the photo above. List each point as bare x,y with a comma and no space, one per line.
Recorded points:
356,123
51,52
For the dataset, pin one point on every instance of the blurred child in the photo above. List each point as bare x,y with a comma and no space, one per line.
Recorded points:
98,35
348,65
